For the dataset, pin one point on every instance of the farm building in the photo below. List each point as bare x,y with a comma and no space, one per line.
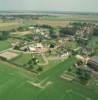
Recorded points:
36,47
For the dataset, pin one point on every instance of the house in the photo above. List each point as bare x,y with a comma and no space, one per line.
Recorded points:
69,37
13,44
94,60
93,63
36,47
39,45
37,30
31,27
33,49
65,54
83,59
87,51
24,48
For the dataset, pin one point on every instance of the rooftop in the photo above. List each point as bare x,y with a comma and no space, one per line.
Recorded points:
94,59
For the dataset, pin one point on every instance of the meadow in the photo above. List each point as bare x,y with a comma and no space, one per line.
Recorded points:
14,84
24,58
4,45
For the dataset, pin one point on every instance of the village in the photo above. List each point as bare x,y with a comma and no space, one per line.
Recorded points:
41,55
39,41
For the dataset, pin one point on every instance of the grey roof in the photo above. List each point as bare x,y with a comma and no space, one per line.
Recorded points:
94,59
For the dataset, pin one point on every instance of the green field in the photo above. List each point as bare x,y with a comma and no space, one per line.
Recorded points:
14,84
24,58
94,43
4,45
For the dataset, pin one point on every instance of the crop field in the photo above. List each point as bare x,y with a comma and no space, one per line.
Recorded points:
4,45
7,25
48,20
20,33
15,84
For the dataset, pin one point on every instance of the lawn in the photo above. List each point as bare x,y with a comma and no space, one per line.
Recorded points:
4,45
14,85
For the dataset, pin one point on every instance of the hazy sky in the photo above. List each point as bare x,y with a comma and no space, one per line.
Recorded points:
50,5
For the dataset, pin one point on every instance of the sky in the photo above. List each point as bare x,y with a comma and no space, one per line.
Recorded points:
50,5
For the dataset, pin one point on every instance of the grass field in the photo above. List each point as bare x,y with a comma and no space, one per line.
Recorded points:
4,45
92,42
14,85
24,58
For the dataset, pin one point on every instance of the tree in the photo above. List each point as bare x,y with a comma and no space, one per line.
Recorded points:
4,35
83,75
53,33
30,63
40,68
95,32
17,47
20,29
66,31
34,60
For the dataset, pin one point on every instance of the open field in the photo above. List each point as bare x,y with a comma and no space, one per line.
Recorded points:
7,25
93,42
4,45
60,20
52,23
14,84
20,33
21,60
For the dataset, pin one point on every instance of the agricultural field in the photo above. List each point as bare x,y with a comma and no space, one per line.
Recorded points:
61,20
17,84
55,20
4,45
7,25
17,34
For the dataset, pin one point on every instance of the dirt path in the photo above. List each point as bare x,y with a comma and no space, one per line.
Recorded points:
57,58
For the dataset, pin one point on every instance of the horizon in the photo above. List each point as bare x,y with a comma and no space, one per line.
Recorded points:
45,11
